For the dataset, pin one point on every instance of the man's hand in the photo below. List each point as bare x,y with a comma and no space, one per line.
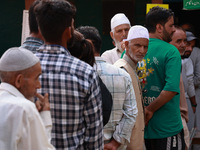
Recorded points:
112,145
193,103
148,115
123,45
194,109
42,103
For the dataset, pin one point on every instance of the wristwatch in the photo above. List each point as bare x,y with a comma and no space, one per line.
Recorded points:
194,105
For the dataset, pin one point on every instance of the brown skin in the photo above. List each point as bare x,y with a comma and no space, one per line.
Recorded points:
120,32
189,47
136,49
162,99
27,82
112,145
179,40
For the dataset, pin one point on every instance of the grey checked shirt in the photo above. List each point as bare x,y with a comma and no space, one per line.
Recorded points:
124,111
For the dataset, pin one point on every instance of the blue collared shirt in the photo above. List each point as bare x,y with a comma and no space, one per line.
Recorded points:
32,44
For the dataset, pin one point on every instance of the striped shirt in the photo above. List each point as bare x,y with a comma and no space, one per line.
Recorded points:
75,99
32,44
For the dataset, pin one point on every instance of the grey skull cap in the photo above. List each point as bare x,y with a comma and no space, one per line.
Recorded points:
190,36
17,59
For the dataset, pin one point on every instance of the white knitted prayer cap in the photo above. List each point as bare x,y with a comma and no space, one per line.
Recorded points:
137,31
16,59
118,19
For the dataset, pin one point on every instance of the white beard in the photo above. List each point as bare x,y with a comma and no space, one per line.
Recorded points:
118,45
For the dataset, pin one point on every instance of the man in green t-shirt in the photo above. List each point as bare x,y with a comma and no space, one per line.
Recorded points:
163,128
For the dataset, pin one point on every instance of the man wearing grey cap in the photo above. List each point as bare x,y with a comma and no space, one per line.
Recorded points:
188,78
120,26
21,124
191,69
195,55
136,46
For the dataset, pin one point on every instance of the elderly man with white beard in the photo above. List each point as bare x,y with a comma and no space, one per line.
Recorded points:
136,46
120,26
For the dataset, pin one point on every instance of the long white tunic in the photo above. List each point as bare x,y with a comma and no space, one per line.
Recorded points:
21,126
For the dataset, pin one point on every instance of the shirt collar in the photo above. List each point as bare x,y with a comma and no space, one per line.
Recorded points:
130,62
53,49
34,39
11,89
98,58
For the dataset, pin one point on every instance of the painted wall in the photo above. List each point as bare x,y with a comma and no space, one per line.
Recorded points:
89,12
11,12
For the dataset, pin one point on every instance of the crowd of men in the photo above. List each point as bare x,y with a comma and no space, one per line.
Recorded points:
58,92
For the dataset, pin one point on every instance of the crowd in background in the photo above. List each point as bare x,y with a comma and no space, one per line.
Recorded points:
58,92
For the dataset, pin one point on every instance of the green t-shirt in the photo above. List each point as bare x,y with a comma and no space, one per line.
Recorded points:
163,64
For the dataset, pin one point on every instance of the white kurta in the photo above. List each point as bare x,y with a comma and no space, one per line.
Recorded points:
111,56
21,126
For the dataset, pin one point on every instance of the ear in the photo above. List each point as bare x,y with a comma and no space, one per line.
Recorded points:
126,46
18,81
40,34
159,28
112,35
66,36
67,33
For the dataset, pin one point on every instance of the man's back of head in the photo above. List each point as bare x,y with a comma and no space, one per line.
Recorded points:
92,33
157,15
53,17
33,25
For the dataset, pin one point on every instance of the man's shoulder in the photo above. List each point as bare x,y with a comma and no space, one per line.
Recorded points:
18,104
79,65
187,62
195,53
111,56
110,51
113,70
65,63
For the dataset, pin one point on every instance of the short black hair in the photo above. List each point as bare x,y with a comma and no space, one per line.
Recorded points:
33,26
157,15
91,33
53,17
